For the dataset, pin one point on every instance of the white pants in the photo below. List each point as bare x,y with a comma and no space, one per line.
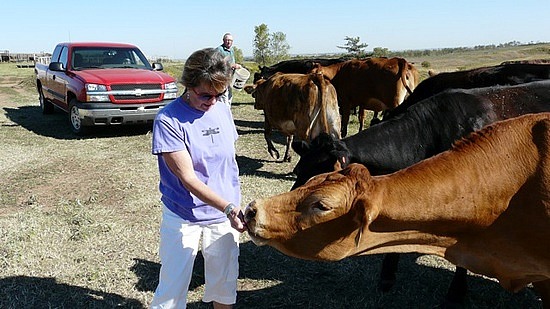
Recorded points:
179,242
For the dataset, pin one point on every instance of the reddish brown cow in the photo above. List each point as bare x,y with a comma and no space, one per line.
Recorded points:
296,104
483,205
375,84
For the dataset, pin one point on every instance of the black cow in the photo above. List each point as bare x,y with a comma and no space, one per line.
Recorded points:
302,66
507,73
425,129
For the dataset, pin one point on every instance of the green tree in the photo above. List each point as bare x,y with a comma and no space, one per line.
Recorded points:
354,48
279,47
261,45
380,52
269,48
239,57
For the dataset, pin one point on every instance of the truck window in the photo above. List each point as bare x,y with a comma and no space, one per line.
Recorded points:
56,53
64,56
106,58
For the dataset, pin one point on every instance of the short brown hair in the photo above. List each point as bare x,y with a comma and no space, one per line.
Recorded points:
206,67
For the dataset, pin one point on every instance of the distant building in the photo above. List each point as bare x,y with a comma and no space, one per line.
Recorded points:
6,56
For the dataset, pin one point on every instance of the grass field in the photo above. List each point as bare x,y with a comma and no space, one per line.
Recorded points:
79,217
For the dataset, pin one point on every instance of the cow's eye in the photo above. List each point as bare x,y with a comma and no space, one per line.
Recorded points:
320,207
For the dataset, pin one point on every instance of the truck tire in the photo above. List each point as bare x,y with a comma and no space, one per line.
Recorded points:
45,105
75,121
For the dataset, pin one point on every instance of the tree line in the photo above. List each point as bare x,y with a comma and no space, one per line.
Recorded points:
270,48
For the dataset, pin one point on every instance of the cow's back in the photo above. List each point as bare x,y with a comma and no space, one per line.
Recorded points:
280,98
299,104
378,80
301,66
505,74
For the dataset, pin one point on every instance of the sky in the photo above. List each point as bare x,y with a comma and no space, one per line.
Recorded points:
175,29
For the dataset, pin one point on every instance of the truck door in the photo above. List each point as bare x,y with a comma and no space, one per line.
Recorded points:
57,80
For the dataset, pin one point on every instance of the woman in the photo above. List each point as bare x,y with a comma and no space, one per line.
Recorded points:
194,140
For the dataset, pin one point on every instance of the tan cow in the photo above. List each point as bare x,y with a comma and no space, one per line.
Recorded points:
296,104
375,84
483,205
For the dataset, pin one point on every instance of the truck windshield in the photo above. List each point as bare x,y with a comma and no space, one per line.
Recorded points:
101,57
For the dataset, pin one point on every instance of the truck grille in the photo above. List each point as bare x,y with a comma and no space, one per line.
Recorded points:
133,88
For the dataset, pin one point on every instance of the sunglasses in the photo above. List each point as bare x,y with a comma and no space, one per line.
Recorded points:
208,97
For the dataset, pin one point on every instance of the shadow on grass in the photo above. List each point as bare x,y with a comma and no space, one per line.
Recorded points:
251,167
57,125
269,279
32,292
248,103
245,127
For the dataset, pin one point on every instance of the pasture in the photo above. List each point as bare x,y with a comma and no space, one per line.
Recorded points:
79,217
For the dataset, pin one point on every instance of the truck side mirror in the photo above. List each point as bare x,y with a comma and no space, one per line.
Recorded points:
56,66
157,66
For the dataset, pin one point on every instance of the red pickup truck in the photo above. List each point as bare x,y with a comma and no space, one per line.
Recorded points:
101,84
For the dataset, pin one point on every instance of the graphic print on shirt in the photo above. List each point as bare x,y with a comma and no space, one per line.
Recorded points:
210,132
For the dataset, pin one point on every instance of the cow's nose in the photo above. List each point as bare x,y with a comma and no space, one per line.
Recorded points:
250,212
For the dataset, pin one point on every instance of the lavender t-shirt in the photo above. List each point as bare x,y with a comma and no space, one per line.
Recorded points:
209,137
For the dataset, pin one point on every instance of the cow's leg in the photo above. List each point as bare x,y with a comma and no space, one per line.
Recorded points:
543,289
457,290
270,148
288,156
344,121
389,268
375,119
361,117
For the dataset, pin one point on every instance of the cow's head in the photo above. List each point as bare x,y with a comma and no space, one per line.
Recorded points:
265,73
255,90
257,76
324,154
258,94
322,220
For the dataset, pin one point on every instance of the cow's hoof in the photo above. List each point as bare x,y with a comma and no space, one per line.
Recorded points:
274,154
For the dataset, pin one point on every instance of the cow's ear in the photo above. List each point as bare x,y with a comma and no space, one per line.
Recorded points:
301,147
342,161
341,153
365,205
364,214
249,89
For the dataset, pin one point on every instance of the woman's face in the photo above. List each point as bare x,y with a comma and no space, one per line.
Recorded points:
204,97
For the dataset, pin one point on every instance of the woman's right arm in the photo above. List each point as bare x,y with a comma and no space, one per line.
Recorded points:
181,165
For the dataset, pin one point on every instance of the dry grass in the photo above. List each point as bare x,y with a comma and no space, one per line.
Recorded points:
79,222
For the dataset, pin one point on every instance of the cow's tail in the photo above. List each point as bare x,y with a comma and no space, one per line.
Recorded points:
319,112
404,70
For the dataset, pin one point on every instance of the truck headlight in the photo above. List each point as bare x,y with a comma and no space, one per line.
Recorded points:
171,90
96,93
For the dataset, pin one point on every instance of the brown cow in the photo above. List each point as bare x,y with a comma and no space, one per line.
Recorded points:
296,104
483,205
375,84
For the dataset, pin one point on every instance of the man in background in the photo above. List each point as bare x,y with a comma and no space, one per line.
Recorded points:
226,49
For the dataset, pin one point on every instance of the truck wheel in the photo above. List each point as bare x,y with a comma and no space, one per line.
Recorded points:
74,118
45,105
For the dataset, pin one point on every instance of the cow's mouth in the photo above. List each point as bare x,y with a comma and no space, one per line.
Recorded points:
258,240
